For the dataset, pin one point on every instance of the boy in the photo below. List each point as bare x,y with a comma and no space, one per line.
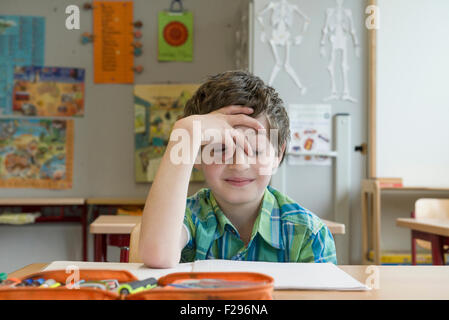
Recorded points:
239,216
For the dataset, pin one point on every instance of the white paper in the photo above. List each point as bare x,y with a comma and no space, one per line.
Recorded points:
304,276
310,127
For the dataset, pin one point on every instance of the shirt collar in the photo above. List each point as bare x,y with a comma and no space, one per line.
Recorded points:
267,223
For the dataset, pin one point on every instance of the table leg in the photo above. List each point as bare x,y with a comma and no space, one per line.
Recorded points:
104,249
437,250
84,227
365,248
413,248
376,225
100,247
124,254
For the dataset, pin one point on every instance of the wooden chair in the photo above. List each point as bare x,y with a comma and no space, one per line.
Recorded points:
430,209
134,245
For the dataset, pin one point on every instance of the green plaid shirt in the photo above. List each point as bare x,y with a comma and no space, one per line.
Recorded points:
283,232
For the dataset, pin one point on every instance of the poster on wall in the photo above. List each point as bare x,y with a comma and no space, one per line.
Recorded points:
48,91
36,153
6,84
22,40
157,108
311,129
22,43
175,36
339,30
284,35
113,51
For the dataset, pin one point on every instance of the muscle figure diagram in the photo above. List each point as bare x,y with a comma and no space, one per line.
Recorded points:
338,28
282,17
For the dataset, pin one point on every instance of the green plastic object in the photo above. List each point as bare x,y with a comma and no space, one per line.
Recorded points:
3,276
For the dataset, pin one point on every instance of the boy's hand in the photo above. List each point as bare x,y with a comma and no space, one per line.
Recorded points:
222,122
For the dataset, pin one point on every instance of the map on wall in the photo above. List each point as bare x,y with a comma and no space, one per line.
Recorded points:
48,91
157,107
36,153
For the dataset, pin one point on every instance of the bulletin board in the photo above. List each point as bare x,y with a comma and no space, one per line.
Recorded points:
103,162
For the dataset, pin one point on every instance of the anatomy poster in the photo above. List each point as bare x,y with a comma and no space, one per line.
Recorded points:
311,129
175,36
157,108
339,30
283,34
48,91
36,153
113,51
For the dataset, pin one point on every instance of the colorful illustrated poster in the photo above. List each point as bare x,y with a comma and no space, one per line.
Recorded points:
36,153
310,127
22,40
48,91
157,107
175,36
6,85
22,43
113,51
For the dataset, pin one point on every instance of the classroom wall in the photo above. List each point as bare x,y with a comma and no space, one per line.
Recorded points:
312,186
104,138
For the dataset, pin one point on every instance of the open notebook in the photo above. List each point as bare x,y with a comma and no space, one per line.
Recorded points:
305,276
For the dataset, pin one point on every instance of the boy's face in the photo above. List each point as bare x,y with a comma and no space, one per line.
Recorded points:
240,178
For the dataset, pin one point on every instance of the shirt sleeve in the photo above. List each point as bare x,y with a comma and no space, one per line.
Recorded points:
319,247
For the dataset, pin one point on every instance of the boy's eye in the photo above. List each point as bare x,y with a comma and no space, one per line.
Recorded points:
220,148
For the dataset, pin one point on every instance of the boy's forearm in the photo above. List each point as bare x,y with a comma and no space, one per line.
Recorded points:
165,208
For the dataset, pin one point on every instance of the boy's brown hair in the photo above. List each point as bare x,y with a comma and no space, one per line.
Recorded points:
245,89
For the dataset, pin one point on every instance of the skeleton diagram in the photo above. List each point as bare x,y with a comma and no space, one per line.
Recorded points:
281,23
339,25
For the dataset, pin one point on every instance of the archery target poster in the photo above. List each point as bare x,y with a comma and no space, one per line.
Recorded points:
175,36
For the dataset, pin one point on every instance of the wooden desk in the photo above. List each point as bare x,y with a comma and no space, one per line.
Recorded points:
435,226
114,235
36,204
116,230
436,231
371,215
393,283
335,227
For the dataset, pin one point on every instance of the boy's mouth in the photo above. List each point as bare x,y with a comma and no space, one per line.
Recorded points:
239,182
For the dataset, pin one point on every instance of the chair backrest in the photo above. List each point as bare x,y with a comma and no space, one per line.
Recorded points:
432,208
134,244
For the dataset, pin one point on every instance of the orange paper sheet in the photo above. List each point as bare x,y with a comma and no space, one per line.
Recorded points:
113,38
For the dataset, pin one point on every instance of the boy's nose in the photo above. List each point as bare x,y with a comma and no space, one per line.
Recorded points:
240,160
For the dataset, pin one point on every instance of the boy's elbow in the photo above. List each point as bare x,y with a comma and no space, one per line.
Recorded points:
153,258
